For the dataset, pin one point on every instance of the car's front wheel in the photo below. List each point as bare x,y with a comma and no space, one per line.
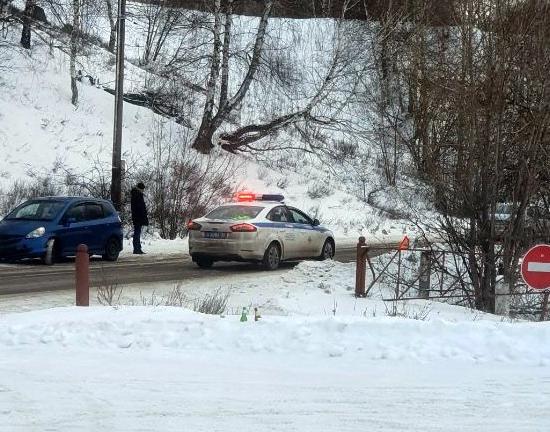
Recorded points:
51,252
112,250
328,250
272,257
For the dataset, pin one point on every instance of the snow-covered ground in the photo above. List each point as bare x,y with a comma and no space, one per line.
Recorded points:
142,369
318,359
311,288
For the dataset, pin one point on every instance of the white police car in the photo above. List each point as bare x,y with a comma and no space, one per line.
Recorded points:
258,228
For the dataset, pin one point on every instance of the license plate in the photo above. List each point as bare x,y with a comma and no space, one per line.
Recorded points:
215,235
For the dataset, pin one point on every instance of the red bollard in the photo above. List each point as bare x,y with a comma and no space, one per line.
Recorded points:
360,272
82,264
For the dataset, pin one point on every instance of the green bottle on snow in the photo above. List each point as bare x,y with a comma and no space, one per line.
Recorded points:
243,315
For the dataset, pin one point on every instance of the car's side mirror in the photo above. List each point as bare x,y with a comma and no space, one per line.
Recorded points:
316,222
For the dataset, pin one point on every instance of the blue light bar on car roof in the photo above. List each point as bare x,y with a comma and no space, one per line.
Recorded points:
249,196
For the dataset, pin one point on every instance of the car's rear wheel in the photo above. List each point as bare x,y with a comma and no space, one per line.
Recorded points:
51,255
204,263
328,250
112,250
272,257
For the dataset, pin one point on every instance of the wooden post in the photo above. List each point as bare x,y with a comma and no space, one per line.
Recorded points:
544,313
360,272
424,274
82,265
502,297
398,284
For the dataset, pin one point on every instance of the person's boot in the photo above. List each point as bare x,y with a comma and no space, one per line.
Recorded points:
139,252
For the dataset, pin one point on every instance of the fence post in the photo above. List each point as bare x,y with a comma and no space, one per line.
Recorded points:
544,313
360,272
502,298
82,276
424,274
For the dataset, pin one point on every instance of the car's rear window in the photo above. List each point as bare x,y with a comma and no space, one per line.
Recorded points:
37,210
236,212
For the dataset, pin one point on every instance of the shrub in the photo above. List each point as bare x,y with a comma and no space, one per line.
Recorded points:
182,184
319,190
22,190
213,304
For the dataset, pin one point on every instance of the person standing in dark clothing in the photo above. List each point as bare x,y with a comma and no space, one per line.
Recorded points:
139,215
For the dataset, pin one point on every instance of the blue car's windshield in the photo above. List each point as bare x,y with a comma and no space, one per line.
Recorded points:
37,210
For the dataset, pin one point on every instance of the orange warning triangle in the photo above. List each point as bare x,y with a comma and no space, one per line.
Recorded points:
404,245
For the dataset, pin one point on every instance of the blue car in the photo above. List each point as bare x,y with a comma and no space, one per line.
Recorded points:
51,228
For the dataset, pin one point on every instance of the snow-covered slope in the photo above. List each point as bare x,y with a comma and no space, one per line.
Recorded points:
43,134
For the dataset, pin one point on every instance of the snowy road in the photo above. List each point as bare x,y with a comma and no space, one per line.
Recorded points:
34,277
164,392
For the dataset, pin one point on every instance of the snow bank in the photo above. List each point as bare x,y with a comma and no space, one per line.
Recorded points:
138,328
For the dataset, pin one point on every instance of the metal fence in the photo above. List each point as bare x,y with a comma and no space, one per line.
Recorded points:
420,273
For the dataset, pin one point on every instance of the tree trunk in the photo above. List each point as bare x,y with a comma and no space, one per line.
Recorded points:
74,48
203,142
225,52
112,25
27,20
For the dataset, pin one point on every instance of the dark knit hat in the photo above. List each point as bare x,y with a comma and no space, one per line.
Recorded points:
141,186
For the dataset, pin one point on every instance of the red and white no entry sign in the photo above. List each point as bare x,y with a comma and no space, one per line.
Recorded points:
535,268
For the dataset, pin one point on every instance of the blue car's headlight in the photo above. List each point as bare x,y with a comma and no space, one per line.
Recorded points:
38,232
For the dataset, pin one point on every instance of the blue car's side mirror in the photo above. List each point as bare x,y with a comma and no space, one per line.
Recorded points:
316,222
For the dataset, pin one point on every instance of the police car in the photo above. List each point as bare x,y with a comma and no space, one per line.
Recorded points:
258,228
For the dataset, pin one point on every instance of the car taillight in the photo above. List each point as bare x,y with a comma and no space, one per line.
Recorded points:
243,227
193,226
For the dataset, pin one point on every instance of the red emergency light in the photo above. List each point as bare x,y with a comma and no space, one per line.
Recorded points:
246,196
251,196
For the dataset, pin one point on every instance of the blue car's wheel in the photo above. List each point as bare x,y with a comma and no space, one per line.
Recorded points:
112,250
51,252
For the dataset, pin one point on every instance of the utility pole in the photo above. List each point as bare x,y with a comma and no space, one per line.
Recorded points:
116,180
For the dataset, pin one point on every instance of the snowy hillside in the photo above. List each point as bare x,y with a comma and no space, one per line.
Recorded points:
43,135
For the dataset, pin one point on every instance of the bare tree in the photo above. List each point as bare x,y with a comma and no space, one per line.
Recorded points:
185,184
6,19
112,24
305,118
72,18
478,127
27,22
75,36
210,121
161,22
